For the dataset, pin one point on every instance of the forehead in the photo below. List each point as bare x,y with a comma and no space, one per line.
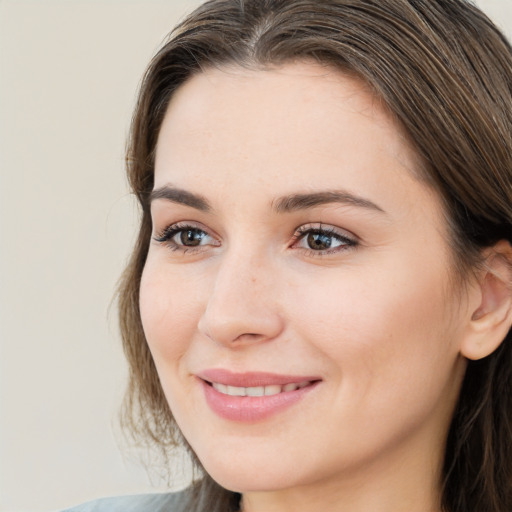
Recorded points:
284,100
300,124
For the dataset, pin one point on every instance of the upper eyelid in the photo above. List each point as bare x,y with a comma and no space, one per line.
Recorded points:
327,228
182,225
313,226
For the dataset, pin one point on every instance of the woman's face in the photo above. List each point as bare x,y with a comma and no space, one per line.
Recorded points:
295,255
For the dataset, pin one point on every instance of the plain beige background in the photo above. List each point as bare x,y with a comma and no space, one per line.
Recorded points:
69,70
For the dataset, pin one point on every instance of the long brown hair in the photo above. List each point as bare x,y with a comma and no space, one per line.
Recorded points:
445,72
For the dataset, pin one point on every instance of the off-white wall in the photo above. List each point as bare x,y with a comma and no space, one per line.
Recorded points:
68,74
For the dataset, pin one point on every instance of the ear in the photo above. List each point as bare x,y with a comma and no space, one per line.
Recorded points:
492,318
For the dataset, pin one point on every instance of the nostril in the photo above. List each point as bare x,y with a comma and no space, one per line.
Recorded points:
230,319
248,337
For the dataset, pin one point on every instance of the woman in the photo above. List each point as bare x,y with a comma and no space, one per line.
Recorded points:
319,300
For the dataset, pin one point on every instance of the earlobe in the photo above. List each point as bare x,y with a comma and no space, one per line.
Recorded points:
491,320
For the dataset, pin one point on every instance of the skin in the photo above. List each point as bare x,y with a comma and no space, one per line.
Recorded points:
378,320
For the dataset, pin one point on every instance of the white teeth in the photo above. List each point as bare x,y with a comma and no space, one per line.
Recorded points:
234,391
257,391
222,388
274,389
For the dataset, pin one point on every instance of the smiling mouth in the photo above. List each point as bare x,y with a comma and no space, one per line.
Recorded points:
253,396
270,390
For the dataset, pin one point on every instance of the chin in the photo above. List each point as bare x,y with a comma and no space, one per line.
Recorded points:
248,481
244,474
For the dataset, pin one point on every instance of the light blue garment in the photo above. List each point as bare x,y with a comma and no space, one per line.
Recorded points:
138,503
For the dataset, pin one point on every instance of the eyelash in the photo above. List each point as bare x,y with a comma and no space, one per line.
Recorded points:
166,236
347,242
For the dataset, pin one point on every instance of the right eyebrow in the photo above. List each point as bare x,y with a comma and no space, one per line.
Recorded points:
296,202
180,196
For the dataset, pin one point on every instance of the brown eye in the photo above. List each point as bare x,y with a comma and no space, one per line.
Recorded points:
319,241
191,237
182,237
322,240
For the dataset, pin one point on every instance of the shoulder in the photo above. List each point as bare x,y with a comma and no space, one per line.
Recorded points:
138,503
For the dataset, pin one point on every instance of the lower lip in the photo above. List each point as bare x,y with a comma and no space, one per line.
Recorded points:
252,408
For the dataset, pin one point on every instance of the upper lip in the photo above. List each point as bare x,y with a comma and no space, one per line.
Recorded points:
252,379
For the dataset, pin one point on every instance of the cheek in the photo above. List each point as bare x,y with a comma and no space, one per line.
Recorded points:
390,352
391,328
169,310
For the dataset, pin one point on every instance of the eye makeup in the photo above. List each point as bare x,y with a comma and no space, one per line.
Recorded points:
314,239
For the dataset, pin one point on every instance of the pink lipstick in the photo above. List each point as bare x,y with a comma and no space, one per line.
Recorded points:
253,396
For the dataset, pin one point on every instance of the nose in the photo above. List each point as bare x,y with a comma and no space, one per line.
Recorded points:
242,307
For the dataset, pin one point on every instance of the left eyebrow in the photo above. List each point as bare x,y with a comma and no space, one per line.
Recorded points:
180,196
294,202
